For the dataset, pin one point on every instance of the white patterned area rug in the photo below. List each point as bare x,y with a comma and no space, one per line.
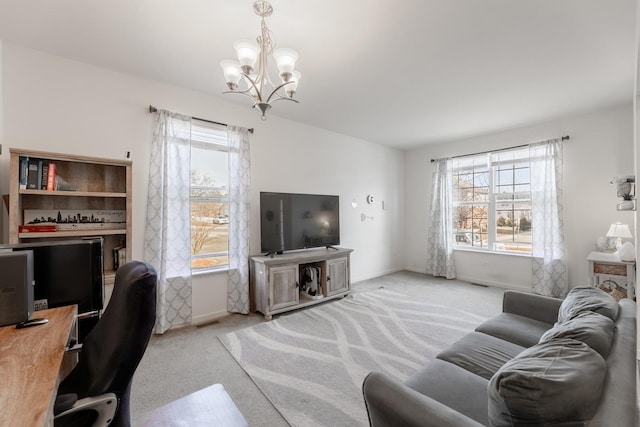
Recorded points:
310,364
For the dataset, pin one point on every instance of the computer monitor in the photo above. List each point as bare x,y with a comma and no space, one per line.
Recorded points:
16,286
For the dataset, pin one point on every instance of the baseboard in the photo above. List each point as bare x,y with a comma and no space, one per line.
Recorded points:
210,317
416,270
373,276
494,284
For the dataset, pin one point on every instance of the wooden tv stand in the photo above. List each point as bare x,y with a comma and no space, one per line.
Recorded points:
275,279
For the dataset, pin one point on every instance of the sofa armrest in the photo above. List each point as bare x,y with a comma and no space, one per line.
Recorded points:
391,403
533,306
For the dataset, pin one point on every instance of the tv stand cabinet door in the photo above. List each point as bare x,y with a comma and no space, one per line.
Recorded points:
283,286
337,276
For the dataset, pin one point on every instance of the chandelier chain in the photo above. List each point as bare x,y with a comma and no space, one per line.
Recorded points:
266,40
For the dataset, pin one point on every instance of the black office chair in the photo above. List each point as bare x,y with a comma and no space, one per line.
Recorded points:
97,390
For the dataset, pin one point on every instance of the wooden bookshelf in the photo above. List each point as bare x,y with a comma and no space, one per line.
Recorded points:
97,184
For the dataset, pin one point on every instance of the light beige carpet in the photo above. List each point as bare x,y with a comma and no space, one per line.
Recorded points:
311,364
188,359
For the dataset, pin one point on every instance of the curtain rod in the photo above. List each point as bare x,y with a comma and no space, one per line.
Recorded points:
564,138
153,109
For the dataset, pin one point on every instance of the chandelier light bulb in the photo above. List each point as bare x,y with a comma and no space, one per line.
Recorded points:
232,72
286,61
247,52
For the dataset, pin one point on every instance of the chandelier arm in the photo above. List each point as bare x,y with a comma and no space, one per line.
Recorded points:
241,92
274,92
285,98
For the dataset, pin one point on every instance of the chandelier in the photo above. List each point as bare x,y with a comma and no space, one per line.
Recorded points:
257,84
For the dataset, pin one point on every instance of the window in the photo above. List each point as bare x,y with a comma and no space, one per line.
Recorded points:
209,196
492,201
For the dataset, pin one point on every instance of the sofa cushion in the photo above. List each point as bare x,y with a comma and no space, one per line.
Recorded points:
480,353
587,299
551,384
454,387
591,328
514,328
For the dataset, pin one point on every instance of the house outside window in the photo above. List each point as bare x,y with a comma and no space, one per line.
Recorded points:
492,201
209,197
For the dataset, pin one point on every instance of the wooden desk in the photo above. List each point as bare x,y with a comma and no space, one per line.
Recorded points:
30,367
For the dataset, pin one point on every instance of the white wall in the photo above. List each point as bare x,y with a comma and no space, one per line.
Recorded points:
54,104
601,147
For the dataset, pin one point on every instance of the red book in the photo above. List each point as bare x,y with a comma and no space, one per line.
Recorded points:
51,177
37,228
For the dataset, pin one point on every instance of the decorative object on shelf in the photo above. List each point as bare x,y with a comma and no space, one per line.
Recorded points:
77,219
602,244
627,252
258,82
626,189
619,231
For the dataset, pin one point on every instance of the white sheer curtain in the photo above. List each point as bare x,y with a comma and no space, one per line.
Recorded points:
548,253
167,236
239,182
440,261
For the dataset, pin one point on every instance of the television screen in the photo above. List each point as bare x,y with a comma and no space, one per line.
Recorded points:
296,221
66,272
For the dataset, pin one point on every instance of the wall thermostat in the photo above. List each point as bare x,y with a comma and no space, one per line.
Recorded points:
370,199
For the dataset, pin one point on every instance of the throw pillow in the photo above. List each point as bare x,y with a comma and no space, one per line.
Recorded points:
587,299
591,328
554,383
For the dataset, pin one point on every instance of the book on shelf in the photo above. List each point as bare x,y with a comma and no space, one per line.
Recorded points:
24,171
44,228
44,175
32,174
51,177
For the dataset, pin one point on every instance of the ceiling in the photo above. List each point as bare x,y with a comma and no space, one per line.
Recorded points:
401,73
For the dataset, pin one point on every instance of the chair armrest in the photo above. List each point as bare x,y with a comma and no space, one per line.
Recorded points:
105,405
391,403
533,306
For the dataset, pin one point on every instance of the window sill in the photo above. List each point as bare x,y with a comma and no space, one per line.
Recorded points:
486,251
214,270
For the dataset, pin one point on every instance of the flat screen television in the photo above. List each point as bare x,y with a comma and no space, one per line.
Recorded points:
66,272
290,221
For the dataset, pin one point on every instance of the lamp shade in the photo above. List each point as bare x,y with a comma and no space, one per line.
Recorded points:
619,230
293,85
247,52
232,72
285,60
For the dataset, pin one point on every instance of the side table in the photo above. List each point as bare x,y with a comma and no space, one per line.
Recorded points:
607,267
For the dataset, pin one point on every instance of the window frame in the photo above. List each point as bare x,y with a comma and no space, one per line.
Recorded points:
219,144
489,163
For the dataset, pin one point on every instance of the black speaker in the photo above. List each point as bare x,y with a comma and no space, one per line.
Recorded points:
16,287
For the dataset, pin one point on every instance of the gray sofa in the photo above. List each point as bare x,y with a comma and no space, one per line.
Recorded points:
542,361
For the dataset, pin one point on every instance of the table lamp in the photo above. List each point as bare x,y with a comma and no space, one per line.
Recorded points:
619,231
